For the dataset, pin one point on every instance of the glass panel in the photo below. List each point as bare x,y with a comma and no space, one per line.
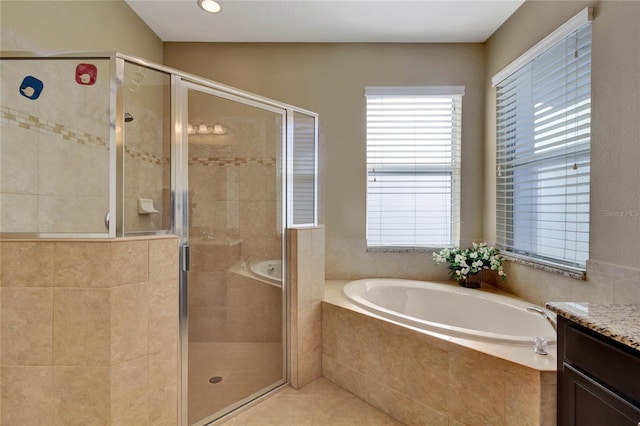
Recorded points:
147,149
235,284
54,145
303,199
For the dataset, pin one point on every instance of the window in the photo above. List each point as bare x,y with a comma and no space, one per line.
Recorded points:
543,149
413,166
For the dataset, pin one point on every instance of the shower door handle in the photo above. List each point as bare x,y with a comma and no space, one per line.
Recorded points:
186,258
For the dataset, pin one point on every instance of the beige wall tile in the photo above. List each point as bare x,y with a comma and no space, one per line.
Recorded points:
19,213
356,331
386,399
18,160
130,262
310,367
207,288
310,328
318,263
26,395
259,323
129,322
163,259
212,325
130,392
27,264
163,315
425,373
331,319
163,388
352,380
243,291
26,326
209,256
548,405
385,357
81,396
523,399
415,414
78,264
470,376
81,327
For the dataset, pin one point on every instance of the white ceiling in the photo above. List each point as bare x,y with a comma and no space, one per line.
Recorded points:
399,21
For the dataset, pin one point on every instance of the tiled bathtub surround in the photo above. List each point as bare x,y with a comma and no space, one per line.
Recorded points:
89,332
424,378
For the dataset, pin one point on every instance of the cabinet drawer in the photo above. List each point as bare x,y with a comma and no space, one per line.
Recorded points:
593,404
620,370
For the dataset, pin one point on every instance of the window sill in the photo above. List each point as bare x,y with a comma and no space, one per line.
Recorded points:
400,249
565,271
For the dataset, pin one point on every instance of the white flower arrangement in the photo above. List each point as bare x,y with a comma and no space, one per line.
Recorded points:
465,262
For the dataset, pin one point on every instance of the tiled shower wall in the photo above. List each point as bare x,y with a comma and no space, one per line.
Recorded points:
89,332
54,150
147,147
234,206
233,185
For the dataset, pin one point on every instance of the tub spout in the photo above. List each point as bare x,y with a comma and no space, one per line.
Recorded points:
545,316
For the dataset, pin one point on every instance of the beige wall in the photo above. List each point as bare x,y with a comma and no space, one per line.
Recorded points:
613,271
61,26
330,80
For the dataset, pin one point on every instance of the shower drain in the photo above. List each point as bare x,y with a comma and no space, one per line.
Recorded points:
215,379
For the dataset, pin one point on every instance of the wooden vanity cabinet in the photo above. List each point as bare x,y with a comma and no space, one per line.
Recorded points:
598,379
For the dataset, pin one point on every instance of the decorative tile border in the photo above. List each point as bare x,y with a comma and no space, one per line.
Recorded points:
145,156
228,162
33,123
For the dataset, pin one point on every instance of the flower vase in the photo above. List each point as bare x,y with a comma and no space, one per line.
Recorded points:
472,280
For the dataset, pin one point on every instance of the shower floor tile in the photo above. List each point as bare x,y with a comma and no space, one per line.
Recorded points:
244,368
320,403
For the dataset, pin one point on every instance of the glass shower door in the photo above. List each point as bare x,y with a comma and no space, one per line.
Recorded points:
233,291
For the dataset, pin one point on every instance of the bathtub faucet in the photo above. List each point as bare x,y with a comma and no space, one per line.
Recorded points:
545,316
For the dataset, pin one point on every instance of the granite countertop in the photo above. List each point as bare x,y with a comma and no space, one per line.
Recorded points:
617,321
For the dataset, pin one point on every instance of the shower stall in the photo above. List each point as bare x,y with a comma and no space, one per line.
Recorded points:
109,146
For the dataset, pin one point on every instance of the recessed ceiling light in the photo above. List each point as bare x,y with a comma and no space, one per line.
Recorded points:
210,6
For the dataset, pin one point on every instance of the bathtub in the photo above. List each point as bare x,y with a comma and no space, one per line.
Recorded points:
451,310
270,270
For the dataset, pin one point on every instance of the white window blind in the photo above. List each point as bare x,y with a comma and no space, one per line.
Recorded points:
543,154
303,170
413,165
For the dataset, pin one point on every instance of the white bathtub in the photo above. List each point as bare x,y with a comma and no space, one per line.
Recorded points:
270,270
451,310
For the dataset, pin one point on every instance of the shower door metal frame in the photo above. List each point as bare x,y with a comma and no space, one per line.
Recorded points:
179,196
182,86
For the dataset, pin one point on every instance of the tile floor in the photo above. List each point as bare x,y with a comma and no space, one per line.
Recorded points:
245,368
320,403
